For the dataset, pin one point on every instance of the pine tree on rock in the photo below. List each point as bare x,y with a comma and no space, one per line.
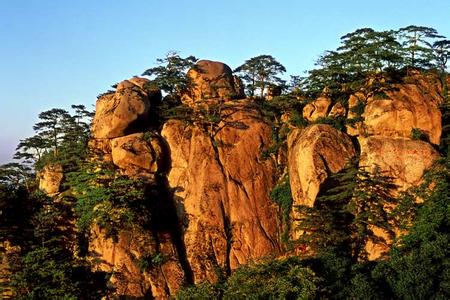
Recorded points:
259,72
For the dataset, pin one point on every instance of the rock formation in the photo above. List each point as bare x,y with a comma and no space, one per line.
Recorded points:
317,109
404,107
212,80
314,153
125,110
215,213
402,159
221,186
138,154
51,178
141,264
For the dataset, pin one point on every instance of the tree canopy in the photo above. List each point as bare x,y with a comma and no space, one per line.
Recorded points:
259,72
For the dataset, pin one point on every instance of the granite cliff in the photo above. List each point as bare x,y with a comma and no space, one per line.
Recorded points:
215,181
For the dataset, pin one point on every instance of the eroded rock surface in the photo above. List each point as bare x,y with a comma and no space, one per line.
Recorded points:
212,80
317,109
314,153
414,104
142,265
221,186
138,153
51,178
123,111
402,159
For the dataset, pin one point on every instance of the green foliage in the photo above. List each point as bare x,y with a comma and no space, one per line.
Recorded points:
281,194
274,279
47,267
259,72
170,75
60,137
419,265
352,203
418,135
441,54
150,261
203,291
417,43
111,200
336,122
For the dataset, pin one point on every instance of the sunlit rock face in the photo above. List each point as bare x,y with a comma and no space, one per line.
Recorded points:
130,260
314,153
212,81
138,154
125,110
221,186
216,181
50,179
317,109
402,108
404,160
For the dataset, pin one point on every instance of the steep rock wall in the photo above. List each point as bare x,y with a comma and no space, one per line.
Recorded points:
221,186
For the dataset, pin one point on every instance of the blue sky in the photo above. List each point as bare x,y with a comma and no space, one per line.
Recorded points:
58,53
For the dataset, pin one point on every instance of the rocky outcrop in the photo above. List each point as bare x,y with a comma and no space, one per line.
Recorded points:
141,265
138,154
212,80
314,153
216,183
402,159
317,109
51,178
120,112
338,110
100,149
221,186
402,108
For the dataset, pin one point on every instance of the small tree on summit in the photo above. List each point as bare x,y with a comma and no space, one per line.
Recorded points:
170,74
259,72
417,43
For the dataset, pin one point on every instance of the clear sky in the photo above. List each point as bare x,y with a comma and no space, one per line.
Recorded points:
54,53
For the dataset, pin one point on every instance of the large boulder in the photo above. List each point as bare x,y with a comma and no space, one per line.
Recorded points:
314,153
317,109
212,80
402,108
125,110
138,153
221,186
51,178
402,159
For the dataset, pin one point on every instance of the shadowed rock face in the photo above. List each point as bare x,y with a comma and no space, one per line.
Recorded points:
212,80
221,186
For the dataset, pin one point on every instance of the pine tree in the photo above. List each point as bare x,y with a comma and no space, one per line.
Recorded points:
170,75
417,43
352,204
259,72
